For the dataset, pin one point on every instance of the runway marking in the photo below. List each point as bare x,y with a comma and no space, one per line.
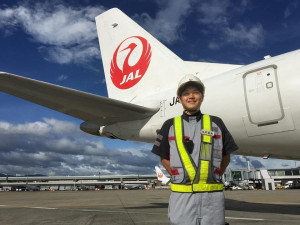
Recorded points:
240,218
111,211
40,208
94,210
81,210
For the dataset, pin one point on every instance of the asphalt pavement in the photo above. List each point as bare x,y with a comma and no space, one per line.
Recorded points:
140,207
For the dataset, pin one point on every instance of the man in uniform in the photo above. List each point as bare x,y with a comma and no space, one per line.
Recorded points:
195,150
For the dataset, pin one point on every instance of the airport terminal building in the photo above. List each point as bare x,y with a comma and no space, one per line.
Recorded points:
270,179
243,178
62,183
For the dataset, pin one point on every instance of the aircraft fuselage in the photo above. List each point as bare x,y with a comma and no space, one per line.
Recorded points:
259,104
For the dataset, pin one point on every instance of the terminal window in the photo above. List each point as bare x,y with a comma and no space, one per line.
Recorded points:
236,175
288,173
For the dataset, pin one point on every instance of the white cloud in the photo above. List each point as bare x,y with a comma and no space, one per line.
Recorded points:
4,125
213,12
66,34
135,151
62,127
76,54
62,77
241,35
40,128
41,156
55,147
63,145
238,161
290,9
216,17
62,26
168,21
213,45
35,128
7,20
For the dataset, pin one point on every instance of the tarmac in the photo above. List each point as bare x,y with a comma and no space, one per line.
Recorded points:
140,207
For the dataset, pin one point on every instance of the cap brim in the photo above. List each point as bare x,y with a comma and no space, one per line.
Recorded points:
197,85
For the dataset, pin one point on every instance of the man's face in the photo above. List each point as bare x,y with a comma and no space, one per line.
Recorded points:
191,99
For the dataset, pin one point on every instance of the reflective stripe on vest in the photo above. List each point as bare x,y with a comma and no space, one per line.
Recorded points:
201,185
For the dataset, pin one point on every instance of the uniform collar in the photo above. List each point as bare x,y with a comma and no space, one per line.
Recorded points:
198,116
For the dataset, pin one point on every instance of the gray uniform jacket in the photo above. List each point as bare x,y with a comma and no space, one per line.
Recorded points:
188,208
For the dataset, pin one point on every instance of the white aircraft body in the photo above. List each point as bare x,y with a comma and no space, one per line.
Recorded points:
162,177
259,103
134,186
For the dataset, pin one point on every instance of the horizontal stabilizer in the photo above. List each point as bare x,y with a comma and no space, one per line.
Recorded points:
88,107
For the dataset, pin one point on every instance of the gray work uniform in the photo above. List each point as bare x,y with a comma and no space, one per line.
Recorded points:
201,207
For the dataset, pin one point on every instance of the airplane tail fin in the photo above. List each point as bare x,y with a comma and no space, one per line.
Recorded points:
136,65
161,176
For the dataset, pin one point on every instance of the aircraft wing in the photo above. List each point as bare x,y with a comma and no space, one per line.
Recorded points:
88,107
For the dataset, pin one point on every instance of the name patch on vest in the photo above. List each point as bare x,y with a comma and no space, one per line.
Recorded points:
207,132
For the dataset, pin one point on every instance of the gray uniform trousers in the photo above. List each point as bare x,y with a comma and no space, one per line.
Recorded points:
205,208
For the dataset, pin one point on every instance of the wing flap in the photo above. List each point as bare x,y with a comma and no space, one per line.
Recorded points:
85,106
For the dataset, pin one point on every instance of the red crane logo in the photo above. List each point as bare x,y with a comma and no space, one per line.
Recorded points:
130,75
160,175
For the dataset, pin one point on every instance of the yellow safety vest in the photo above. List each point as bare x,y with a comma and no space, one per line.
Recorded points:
204,159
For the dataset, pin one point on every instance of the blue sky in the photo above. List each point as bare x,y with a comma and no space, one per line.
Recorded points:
56,42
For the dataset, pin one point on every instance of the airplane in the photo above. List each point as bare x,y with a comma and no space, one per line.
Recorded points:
162,177
133,186
33,188
26,188
259,102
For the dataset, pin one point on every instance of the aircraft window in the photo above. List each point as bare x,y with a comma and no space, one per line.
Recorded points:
269,85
